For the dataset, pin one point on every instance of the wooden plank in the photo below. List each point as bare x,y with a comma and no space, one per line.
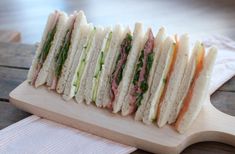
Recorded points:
229,86
203,148
10,114
177,16
9,79
16,55
9,36
224,101
209,148
210,125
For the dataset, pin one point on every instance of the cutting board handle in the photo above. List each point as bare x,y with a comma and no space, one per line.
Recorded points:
221,126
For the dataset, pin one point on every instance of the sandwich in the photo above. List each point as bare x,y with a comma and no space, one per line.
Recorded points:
38,72
184,84
168,50
135,73
104,64
198,89
103,71
158,42
97,69
173,80
139,84
65,57
90,64
86,93
81,58
124,68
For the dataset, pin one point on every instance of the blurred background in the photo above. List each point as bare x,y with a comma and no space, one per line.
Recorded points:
196,17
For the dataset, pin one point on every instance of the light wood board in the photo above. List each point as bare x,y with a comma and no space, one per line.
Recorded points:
211,124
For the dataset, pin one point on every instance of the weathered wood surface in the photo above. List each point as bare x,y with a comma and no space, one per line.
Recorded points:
9,36
16,55
9,114
193,16
229,86
10,77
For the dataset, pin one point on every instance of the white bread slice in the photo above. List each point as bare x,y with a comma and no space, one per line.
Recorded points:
184,84
200,92
79,20
106,95
69,90
99,67
92,65
158,83
48,28
80,96
128,71
126,107
42,76
107,102
174,81
104,85
159,39
67,27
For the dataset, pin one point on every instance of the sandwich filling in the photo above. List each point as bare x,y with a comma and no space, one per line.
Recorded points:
186,101
46,46
166,80
83,60
62,56
116,77
140,81
100,64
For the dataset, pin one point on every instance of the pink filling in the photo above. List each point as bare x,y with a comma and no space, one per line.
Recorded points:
148,48
39,65
67,38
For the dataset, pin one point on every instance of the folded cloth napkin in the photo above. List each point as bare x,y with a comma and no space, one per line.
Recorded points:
225,62
38,135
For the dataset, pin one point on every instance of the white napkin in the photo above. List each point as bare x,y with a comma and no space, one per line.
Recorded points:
37,135
225,62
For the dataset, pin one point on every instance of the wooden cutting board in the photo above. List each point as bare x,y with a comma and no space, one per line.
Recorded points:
210,125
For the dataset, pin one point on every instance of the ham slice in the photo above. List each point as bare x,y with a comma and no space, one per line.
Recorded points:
125,48
143,75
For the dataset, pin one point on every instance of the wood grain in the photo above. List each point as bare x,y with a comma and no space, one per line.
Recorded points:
203,148
209,148
201,17
9,36
9,79
16,55
224,101
229,86
10,114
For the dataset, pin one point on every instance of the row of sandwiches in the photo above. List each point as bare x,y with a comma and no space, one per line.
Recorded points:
154,77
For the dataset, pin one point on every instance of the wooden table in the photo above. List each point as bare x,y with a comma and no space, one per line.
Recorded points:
15,60
9,36
196,17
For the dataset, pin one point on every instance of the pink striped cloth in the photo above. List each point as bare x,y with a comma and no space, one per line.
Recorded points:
41,136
